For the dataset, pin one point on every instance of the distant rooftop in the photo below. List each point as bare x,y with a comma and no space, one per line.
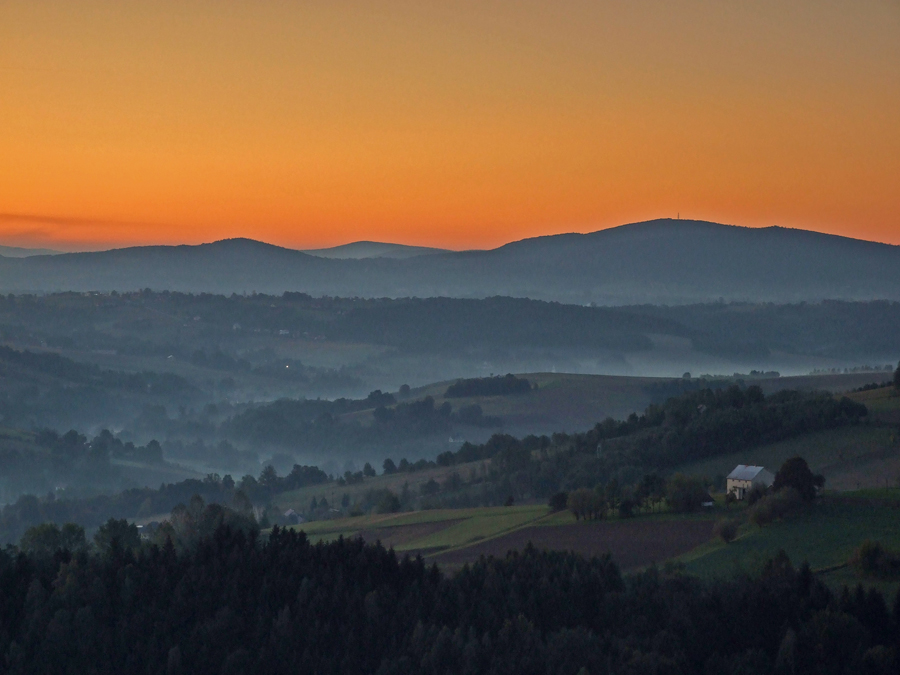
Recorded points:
745,472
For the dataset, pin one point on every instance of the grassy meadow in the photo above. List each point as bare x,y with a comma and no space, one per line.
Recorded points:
445,528
825,534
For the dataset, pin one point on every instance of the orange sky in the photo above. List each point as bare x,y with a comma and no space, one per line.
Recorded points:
457,124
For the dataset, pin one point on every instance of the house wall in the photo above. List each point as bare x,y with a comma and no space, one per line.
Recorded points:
740,488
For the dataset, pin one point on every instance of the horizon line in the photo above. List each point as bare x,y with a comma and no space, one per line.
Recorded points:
58,249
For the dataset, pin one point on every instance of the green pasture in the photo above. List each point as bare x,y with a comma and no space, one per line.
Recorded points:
299,499
475,525
883,404
489,523
825,535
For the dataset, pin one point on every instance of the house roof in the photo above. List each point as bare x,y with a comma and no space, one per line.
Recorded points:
745,472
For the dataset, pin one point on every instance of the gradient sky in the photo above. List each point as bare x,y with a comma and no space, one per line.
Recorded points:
456,124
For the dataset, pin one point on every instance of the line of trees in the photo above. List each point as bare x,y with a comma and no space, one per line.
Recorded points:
489,386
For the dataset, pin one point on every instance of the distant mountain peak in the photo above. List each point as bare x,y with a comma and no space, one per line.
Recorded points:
243,242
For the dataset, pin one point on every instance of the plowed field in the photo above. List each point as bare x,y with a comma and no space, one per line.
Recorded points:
632,543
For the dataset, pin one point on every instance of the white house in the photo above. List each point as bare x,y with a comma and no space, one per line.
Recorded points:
744,478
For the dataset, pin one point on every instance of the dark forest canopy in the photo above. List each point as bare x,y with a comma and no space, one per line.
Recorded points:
232,603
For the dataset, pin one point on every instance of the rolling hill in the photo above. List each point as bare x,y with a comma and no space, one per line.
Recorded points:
373,249
661,261
17,252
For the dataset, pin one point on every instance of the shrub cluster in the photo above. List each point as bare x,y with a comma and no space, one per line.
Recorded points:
775,506
873,559
726,529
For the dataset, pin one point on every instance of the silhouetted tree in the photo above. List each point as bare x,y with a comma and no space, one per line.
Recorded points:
389,503
117,534
685,493
558,501
795,473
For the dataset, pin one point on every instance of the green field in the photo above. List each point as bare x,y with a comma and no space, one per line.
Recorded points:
454,538
446,528
825,535
299,499
883,404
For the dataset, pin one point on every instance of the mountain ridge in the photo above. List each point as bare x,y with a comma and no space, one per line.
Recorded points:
663,261
19,252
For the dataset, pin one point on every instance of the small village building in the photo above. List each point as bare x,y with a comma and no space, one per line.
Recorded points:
744,478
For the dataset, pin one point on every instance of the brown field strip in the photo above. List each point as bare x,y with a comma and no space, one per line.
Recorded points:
398,535
633,543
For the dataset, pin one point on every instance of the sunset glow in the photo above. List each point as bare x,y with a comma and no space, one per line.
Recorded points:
454,124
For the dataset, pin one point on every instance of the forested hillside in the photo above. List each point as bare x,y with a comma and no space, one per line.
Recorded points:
691,427
617,456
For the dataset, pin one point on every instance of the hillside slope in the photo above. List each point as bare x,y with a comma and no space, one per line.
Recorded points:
373,249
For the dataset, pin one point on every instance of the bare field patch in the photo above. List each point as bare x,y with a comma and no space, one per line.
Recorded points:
400,536
632,544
